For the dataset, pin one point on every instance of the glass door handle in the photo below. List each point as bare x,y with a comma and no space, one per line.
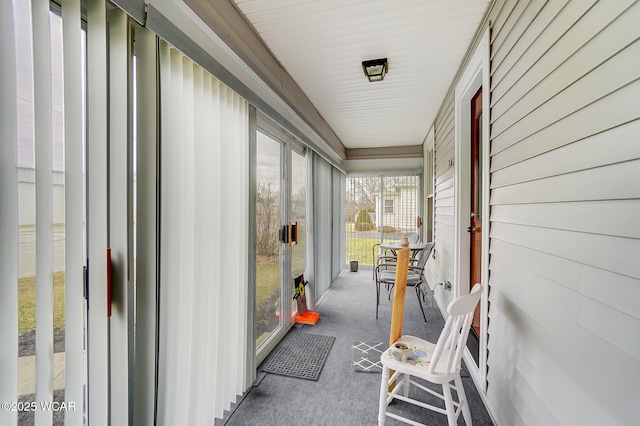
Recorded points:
294,232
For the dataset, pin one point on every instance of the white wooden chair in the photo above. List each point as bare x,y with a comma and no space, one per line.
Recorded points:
439,364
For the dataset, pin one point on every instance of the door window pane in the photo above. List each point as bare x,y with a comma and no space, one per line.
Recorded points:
268,221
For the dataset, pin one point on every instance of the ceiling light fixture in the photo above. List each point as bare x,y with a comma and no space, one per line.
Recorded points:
376,69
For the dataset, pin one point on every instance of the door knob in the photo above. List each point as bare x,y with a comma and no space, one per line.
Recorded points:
471,229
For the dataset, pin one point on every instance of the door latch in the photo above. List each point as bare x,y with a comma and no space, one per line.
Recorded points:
471,229
284,234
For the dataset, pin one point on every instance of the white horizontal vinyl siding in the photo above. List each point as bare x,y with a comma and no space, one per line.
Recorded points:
440,267
564,345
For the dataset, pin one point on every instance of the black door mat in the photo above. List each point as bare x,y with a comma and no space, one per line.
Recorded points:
300,355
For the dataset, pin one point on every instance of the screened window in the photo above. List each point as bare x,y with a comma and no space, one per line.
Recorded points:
379,209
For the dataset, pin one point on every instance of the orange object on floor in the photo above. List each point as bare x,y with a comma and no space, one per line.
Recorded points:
308,317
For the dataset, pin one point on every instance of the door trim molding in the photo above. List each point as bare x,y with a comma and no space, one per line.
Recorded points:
475,76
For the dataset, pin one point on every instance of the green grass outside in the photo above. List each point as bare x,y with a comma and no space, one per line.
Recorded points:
27,302
299,253
268,270
360,249
268,282
267,278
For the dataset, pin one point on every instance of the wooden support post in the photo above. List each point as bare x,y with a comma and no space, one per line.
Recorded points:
399,292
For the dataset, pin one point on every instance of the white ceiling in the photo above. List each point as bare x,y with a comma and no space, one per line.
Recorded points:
322,43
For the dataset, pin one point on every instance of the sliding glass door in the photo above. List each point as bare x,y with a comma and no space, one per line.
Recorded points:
281,200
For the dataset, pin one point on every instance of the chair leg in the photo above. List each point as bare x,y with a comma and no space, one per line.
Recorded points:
384,392
405,384
424,296
462,398
420,303
448,404
377,297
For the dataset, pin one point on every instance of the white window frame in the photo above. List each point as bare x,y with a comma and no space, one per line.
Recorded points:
387,206
475,76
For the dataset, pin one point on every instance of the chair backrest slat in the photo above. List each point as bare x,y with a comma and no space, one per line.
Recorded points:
454,342
463,338
426,252
453,337
442,342
413,237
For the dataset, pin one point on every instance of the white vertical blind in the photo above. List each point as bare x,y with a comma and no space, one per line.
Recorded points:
8,217
97,211
339,231
310,269
46,89
119,193
204,244
322,223
329,228
146,228
44,207
74,240
328,225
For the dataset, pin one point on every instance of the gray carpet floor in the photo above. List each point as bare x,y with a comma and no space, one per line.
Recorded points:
343,396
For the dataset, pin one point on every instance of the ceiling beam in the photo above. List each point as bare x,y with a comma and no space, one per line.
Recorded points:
231,26
409,151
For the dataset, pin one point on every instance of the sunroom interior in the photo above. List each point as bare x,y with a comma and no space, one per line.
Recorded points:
167,168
